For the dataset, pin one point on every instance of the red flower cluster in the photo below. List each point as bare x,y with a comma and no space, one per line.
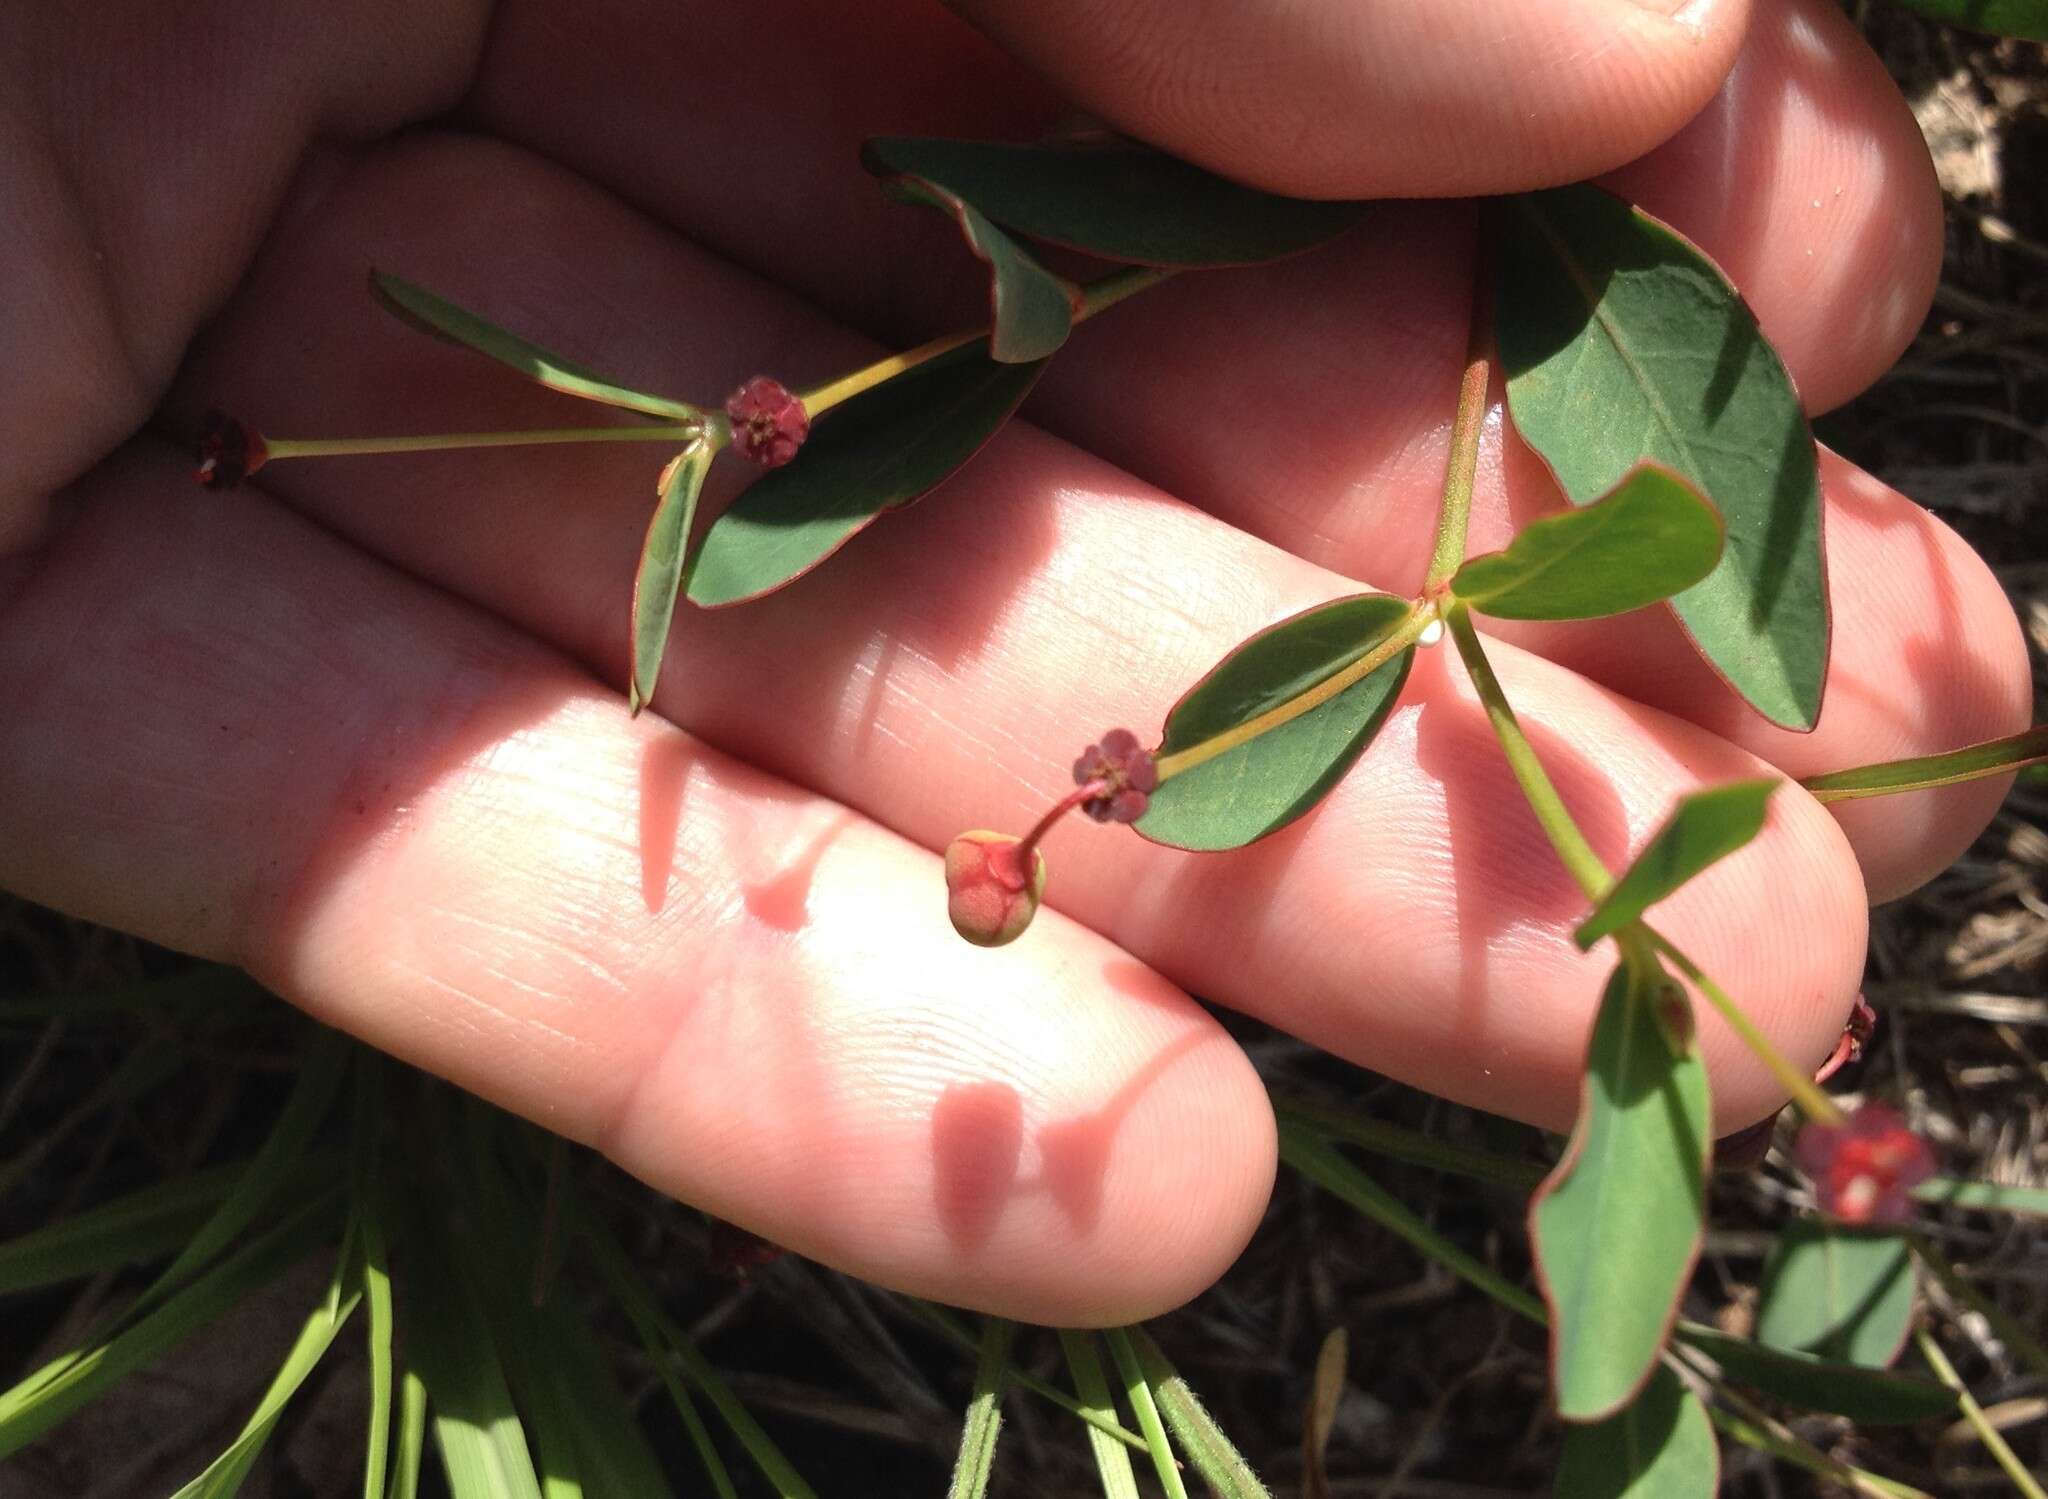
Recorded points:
989,896
1864,1169
228,451
1126,771
768,423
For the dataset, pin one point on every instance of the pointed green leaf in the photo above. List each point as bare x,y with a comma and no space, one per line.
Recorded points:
1974,762
1622,342
1121,201
660,574
1268,781
1031,310
1649,537
1873,1396
1659,1446
2022,18
1837,1292
880,450
411,1443
1616,1227
457,325
1706,827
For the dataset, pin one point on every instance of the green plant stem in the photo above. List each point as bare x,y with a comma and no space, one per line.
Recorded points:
1096,297
1812,1101
1389,646
1572,848
1462,463
941,1321
1993,1440
278,448
2019,1342
1753,1428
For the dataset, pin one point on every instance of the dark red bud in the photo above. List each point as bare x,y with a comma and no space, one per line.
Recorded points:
989,895
1856,1034
228,451
1864,1168
1127,773
768,423
734,1252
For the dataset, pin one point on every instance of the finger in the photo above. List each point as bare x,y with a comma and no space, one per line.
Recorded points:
768,177
941,672
1433,99
148,148
443,838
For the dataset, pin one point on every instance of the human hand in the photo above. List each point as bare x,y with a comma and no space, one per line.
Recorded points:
352,726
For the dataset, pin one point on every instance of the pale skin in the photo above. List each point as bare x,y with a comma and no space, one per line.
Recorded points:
359,728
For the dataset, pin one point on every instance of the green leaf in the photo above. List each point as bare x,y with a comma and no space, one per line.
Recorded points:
411,1445
1984,1197
1992,757
975,1464
1622,342
1616,1227
1268,781
1649,537
2022,18
878,451
141,1226
1872,1396
65,1384
1659,1446
223,1477
366,1187
1837,1292
1112,1459
1031,310
457,325
1706,827
660,574
1138,1394
1120,201
1214,1455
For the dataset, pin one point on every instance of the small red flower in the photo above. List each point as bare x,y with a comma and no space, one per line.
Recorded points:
768,423
228,451
1127,773
1856,1033
735,1253
1864,1168
989,896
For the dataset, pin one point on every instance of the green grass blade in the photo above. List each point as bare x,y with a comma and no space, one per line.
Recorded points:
411,1444
975,1464
666,1342
61,1387
950,1328
140,1226
1112,1459
1215,1457
1138,1394
1411,1146
1984,1197
223,1477
276,1164
366,1186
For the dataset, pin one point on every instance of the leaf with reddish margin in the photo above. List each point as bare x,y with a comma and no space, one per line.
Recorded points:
1031,310
1649,537
1616,1226
1972,763
1622,342
1875,1397
436,315
660,573
1703,829
1118,200
1260,786
1659,1446
878,451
